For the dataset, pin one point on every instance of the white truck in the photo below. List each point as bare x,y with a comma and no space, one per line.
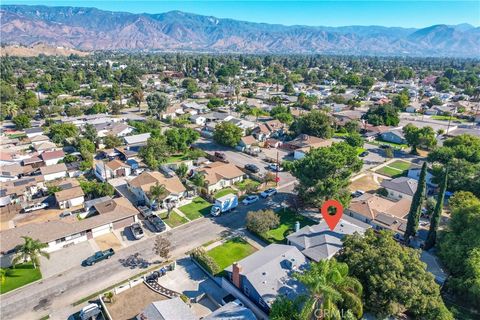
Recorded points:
224,204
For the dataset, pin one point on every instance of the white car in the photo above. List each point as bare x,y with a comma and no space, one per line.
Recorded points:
269,192
249,200
36,206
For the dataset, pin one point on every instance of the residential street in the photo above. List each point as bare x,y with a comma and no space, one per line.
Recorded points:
56,294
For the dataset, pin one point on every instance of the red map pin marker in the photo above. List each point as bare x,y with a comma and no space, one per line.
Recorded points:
332,220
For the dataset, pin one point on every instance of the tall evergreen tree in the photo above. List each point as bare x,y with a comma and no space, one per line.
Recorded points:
416,207
435,219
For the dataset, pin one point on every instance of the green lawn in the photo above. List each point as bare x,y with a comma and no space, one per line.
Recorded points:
243,184
288,218
224,192
175,219
197,209
176,158
360,150
400,165
19,276
390,172
17,135
446,118
233,250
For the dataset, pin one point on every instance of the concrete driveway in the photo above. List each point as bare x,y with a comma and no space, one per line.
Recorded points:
63,260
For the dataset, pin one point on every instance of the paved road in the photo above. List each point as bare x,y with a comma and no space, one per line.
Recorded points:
55,295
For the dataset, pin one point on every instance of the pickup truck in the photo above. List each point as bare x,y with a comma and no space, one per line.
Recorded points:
98,256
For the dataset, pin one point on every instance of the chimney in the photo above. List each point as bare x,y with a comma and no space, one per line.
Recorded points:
297,226
236,269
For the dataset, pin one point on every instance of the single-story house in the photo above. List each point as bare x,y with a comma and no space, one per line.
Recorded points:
318,242
198,119
39,139
52,157
395,136
113,214
69,198
138,139
400,188
219,175
140,187
247,142
368,206
55,171
170,309
267,274
32,132
112,169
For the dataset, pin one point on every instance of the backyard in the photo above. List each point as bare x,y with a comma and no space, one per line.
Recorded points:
231,251
288,218
19,276
174,220
198,208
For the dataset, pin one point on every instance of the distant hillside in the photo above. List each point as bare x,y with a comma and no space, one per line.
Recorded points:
93,29
38,49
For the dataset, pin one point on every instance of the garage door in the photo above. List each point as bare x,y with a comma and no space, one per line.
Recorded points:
101,230
123,223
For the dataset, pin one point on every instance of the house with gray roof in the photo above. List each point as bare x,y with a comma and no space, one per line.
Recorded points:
171,309
394,136
268,273
233,310
318,242
400,188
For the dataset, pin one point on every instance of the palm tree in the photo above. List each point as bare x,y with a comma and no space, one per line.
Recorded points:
10,109
330,289
158,192
30,250
137,97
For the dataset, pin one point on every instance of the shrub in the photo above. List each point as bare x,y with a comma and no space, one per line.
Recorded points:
262,221
207,262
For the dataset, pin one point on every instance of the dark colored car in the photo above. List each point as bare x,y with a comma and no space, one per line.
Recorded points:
364,154
157,224
251,167
221,156
98,256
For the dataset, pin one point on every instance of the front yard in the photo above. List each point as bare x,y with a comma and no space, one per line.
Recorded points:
288,218
231,251
174,220
19,276
224,192
198,208
395,169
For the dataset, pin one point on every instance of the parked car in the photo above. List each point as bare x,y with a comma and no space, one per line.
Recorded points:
249,200
65,214
364,154
98,256
357,193
269,192
157,224
90,311
251,167
137,231
221,156
36,206
274,167
145,211
384,146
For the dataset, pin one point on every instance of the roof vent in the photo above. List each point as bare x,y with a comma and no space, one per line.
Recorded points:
264,273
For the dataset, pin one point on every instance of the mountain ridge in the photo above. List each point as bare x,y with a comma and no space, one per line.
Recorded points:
94,29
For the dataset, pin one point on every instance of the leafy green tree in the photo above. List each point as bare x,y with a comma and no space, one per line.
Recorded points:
97,108
182,171
215,103
190,85
22,121
385,115
419,137
59,132
155,152
284,117
9,109
315,123
262,221
157,103
227,134
330,289
94,189
324,173
416,206
437,213
157,193
284,308
180,139
355,140
351,79
352,126
30,250
401,100
288,88
112,141
137,97
394,279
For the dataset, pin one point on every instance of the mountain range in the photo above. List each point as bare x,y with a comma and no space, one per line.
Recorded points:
93,29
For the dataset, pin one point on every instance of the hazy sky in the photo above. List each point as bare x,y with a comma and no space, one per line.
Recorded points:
325,13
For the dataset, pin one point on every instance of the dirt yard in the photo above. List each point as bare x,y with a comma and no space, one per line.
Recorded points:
108,241
367,183
131,302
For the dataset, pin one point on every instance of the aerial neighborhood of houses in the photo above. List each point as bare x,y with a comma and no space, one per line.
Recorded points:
163,190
